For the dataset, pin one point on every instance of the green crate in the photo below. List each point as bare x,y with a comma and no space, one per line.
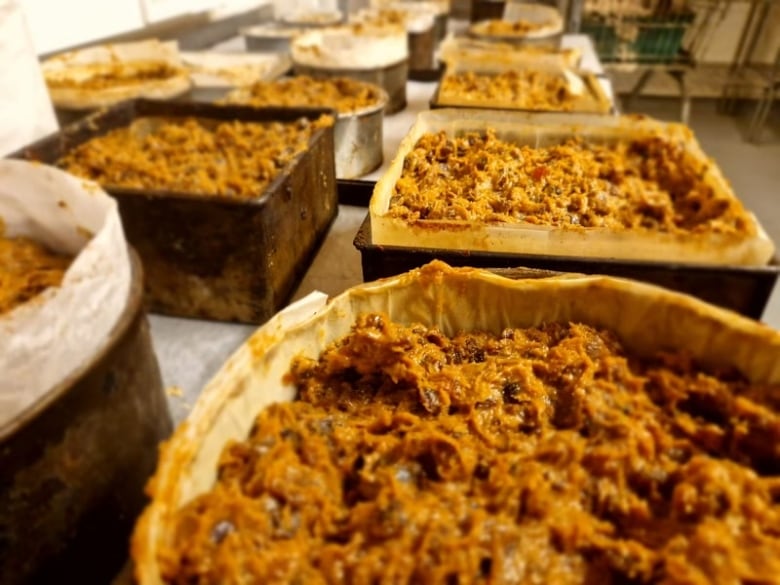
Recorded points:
657,40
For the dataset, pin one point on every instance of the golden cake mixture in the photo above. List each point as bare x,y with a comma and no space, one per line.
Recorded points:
646,183
314,17
540,455
27,269
525,89
506,28
118,74
340,93
231,159
385,17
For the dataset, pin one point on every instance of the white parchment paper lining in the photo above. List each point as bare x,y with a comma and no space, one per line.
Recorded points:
45,340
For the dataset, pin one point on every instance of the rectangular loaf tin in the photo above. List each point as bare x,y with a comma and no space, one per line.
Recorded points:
523,238
211,256
744,289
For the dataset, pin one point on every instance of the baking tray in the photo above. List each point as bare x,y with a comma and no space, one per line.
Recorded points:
599,102
427,75
75,463
214,257
744,289
486,9
546,129
355,192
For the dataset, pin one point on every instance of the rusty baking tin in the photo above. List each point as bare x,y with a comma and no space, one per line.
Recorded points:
486,10
745,289
74,464
358,140
210,256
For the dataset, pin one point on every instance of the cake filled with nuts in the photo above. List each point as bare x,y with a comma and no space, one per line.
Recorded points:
226,158
344,95
523,89
548,454
646,183
26,270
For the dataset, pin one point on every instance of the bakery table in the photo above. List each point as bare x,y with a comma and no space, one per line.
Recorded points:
191,351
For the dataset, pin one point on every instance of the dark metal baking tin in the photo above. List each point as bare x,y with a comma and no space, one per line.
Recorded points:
744,289
487,10
73,465
211,256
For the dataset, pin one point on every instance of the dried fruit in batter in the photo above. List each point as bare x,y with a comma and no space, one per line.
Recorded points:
540,455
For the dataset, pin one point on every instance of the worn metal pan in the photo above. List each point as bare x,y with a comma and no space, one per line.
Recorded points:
75,463
211,256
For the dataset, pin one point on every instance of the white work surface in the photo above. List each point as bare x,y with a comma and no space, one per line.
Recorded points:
191,351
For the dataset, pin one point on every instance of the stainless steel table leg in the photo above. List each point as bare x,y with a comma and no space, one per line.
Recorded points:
644,78
760,114
685,96
729,97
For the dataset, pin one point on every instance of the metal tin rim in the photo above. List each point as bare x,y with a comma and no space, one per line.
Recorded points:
133,305
514,39
332,17
346,70
368,110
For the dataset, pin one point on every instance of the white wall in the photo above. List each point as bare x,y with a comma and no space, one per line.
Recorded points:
59,24
56,24
724,36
